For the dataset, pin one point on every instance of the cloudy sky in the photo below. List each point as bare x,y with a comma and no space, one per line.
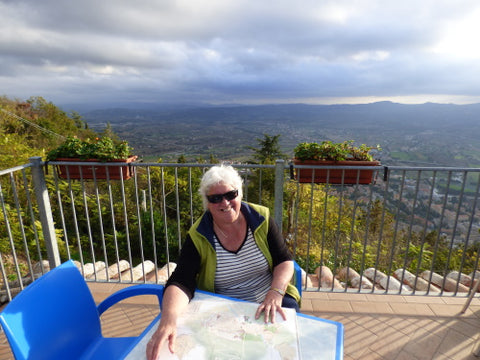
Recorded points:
240,51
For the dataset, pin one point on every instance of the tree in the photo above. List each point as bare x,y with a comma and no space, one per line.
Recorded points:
108,132
269,149
213,159
182,159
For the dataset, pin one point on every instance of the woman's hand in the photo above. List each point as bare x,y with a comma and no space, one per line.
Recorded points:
174,303
282,273
270,306
167,331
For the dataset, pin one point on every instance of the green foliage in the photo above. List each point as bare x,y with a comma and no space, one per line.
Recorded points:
29,128
327,150
99,148
26,235
260,183
212,159
317,224
268,150
14,151
330,230
327,228
182,159
154,240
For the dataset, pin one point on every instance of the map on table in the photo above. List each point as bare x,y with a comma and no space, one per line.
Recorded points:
223,329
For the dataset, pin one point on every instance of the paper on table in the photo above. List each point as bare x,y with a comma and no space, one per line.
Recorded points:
219,329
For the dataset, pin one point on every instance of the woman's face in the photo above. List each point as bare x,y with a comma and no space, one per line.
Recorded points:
226,211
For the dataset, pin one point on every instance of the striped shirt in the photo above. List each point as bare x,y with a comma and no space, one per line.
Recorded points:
244,274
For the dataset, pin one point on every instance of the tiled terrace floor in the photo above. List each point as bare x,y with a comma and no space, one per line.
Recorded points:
390,327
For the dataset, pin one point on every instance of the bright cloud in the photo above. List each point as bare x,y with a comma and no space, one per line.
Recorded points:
459,38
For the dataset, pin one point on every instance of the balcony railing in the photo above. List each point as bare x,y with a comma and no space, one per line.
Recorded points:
413,230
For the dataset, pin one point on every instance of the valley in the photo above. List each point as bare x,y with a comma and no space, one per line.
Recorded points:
417,135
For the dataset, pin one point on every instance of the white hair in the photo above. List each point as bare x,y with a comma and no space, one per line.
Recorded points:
220,174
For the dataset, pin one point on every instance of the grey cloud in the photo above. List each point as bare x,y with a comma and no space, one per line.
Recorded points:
221,50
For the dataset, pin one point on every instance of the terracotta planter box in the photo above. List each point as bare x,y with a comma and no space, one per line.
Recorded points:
335,176
100,171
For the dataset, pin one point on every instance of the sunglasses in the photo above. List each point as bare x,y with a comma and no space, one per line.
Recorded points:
217,198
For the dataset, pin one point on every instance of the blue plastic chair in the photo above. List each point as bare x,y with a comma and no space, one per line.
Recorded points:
56,318
297,277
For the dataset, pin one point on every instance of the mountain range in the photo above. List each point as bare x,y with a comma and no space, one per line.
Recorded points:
424,134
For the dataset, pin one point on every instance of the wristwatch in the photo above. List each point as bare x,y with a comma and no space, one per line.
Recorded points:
280,291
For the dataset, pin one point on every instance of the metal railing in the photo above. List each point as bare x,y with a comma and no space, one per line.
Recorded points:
410,230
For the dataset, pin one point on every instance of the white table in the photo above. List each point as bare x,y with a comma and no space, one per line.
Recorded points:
318,338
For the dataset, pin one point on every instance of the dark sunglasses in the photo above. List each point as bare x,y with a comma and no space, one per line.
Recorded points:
217,198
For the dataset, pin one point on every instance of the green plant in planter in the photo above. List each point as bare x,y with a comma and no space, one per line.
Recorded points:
103,148
328,150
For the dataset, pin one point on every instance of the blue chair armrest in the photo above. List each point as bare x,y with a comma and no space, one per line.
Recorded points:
298,277
141,289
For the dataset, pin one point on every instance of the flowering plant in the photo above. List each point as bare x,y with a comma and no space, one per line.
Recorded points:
103,148
328,150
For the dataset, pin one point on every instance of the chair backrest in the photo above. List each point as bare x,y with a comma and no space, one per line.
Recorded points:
55,317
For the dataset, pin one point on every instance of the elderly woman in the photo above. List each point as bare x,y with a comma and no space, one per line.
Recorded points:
234,249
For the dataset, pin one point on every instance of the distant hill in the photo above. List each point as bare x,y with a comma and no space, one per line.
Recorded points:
425,134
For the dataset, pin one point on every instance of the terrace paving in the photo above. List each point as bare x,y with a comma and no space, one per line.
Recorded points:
390,327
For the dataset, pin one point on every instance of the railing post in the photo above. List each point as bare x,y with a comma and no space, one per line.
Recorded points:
45,211
278,201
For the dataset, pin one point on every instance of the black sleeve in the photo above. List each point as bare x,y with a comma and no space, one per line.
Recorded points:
276,244
188,266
